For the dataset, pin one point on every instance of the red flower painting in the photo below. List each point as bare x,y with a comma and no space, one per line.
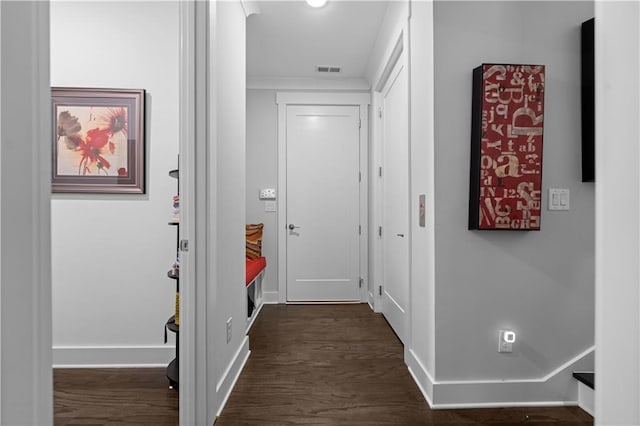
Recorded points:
95,141
98,140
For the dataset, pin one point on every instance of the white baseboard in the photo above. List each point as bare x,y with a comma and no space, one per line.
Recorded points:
586,398
558,388
270,297
230,377
420,375
112,356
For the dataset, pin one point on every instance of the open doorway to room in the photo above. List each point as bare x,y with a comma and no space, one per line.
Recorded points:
112,295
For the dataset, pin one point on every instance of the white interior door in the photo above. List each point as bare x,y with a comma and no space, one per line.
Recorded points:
395,288
322,146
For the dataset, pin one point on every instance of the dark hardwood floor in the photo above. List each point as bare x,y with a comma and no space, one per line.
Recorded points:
114,396
343,365
310,364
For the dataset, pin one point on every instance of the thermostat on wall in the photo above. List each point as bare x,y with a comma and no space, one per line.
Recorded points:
268,194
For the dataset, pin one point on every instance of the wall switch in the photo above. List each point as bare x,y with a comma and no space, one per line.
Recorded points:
229,329
558,199
269,206
268,194
506,339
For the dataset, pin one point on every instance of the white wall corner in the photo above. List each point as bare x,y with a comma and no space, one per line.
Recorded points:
231,374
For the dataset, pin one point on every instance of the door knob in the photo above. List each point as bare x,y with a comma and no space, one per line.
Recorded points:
292,227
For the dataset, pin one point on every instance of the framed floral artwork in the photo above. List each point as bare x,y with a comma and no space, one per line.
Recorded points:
98,142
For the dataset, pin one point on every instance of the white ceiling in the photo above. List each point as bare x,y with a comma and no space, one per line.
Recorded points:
289,39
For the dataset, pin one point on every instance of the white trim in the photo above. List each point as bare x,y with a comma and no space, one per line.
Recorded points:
505,405
420,375
376,272
283,99
0,212
193,369
282,201
498,393
112,356
393,58
323,98
364,200
232,373
42,291
291,83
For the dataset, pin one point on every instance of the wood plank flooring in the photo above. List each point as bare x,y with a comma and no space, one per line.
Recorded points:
343,365
114,396
310,364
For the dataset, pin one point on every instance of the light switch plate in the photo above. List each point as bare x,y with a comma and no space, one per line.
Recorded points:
559,199
269,206
268,194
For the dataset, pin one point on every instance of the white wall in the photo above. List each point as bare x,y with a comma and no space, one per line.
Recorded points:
420,354
26,388
262,172
229,73
540,284
618,209
111,253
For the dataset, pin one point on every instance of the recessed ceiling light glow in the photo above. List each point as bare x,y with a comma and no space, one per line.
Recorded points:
316,3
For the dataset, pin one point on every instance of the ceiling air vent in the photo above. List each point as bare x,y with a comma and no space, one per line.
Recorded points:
328,68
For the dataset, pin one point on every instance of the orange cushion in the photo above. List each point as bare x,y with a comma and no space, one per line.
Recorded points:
254,240
254,267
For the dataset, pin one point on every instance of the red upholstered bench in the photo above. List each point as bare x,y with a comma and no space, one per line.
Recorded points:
253,269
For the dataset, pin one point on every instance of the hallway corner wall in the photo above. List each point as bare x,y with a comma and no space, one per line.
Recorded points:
228,150
539,284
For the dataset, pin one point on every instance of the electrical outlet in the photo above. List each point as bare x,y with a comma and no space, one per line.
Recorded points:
268,194
506,339
229,329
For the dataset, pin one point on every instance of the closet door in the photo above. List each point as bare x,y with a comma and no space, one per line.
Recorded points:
395,288
323,203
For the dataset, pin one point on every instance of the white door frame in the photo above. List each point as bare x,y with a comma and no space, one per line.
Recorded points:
26,258
283,99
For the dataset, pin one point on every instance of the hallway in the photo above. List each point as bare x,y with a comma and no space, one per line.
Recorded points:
342,364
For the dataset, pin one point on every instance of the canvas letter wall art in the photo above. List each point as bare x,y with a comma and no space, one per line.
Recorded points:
506,147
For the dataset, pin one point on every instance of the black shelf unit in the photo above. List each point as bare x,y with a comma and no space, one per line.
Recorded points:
173,369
